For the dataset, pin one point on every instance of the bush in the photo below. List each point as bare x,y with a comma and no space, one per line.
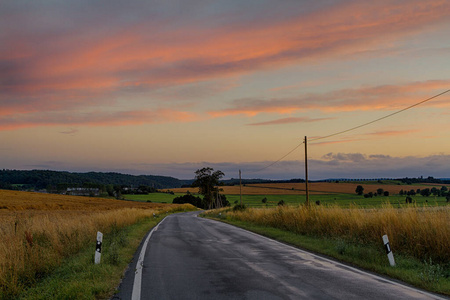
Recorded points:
188,198
239,207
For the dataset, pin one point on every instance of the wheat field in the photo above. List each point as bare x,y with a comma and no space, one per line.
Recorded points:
423,233
39,230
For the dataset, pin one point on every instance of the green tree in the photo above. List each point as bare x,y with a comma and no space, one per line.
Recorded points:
359,190
207,182
435,191
425,192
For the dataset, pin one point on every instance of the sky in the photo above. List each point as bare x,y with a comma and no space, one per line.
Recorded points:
169,87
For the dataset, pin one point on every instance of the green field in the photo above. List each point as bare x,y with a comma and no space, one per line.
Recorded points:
153,197
343,200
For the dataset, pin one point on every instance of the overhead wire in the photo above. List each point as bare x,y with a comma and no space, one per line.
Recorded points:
379,119
278,160
351,129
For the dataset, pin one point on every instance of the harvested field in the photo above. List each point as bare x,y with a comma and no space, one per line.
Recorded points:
15,201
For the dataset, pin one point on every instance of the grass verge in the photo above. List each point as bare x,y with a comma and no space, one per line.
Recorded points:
423,274
79,278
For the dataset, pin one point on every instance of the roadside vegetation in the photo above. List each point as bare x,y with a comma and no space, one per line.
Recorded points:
419,237
43,234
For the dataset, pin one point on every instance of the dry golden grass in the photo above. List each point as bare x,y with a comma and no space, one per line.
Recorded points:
39,230
314,187
20,201
420,232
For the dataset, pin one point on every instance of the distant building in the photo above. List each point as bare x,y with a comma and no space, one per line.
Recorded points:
83,191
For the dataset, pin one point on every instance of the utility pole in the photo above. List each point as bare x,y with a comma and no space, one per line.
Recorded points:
306,171
240,186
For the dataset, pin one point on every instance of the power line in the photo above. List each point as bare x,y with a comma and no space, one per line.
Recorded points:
379,119
278,160
353,128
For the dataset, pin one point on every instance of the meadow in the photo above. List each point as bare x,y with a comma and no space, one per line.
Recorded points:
153,197
327,193
39,231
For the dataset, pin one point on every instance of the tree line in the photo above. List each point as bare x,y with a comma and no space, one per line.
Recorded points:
58,180
425,192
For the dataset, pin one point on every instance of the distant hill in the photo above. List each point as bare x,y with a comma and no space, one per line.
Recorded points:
60,180
42,179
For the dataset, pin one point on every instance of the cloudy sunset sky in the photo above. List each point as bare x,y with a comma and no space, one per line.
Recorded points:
168,87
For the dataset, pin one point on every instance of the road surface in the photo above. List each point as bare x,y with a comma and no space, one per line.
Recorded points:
188,257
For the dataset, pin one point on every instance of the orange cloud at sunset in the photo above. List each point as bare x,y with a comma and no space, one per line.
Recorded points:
393,132
288,121
211,75
386,97
97,118
137,57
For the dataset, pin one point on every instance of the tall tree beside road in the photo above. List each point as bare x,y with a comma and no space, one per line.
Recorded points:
207,181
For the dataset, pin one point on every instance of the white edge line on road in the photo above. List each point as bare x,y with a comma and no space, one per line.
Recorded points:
136,293
375,276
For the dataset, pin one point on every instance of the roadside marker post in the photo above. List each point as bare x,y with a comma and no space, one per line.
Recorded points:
98,247
389,253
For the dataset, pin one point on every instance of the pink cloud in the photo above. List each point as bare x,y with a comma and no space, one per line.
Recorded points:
393,133
314,143
91,64
97,118
385,97
133,56
289,121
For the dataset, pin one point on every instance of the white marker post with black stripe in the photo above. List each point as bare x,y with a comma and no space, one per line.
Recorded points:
98,247
388,250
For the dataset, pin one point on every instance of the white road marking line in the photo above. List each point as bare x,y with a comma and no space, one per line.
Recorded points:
136,293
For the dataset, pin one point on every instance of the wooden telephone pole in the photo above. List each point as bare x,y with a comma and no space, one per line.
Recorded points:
240,186
306,171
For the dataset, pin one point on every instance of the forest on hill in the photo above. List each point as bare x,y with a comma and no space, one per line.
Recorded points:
46,179
58,181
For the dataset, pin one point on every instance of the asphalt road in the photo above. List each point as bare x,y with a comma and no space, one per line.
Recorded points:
194,258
